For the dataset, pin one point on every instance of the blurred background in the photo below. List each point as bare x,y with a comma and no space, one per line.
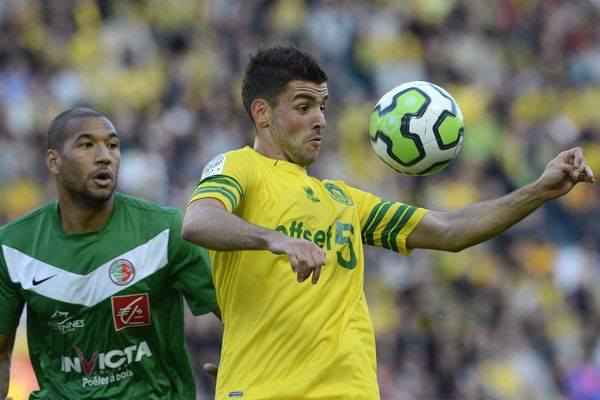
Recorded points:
514,318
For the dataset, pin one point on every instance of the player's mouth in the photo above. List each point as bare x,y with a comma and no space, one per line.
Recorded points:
102,178
315,140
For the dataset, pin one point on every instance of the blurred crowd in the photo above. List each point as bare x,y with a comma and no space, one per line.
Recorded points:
515,318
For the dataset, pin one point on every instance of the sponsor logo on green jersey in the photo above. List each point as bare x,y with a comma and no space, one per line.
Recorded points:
62,322
105,368
130,310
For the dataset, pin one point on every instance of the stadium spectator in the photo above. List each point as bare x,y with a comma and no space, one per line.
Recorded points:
527,79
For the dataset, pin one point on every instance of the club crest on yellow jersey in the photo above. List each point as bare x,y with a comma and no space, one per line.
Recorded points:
338,194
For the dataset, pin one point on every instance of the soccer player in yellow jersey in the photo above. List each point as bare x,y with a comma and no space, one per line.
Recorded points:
261,213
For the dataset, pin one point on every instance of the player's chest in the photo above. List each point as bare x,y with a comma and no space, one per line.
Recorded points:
286,196
87,275
101,309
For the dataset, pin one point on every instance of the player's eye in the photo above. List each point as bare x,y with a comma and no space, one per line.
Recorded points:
86,145
113,145
323,108
303,108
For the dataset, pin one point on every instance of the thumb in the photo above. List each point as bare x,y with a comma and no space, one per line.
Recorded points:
210,369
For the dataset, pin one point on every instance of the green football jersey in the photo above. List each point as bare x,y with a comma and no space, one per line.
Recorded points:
105,309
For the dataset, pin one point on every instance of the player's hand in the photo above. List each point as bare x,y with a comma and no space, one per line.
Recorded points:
306,258
211,369
564,171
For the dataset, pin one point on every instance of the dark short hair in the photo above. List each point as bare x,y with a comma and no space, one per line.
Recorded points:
57,133
270,69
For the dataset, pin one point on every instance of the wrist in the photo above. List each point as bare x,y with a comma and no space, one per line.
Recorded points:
537,193
271,239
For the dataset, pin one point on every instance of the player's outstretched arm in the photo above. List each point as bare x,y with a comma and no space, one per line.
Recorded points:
467,226
6,344
208,223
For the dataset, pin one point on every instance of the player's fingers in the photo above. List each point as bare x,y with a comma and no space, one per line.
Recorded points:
579,171
587,175
564,167
304,274
576,156
293,261
316,274
302,277
302,270
319,261
211,369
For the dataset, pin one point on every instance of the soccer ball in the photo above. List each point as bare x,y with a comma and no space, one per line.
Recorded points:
417,128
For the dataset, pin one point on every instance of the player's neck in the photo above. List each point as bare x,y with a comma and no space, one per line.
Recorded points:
268,149
76,217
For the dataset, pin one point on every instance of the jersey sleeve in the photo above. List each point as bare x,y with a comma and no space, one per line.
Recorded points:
11,300
384,223
191,271
224,178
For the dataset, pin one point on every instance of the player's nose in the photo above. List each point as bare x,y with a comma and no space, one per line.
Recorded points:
102,154
320,122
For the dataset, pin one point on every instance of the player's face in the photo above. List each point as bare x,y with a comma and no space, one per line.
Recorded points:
298,119
88,164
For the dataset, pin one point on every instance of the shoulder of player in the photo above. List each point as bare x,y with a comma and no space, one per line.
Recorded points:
215,165
240,155
151,217
339,188
145,206
243,152
230,164
338,183
246,155
33,217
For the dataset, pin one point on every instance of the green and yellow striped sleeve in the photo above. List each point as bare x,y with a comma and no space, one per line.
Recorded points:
389,224
384,223
221,187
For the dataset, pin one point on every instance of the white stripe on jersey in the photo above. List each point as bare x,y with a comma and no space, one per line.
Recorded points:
87,290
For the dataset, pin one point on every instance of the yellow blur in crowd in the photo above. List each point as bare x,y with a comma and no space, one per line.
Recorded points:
512,318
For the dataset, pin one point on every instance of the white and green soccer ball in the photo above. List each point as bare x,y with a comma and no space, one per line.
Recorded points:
417,128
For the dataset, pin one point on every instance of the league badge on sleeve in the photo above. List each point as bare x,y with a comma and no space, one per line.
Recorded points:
214,166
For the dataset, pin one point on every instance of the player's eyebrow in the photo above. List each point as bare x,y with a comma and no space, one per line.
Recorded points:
308,97
85,135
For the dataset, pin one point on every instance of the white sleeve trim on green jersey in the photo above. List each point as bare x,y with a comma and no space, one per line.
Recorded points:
87,290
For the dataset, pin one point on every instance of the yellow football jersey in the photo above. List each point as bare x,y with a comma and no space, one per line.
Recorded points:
290,340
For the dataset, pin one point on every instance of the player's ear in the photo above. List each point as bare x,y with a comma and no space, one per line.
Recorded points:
261,112
53,161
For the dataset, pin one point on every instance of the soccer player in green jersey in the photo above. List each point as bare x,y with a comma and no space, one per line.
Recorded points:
260,212
103,275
